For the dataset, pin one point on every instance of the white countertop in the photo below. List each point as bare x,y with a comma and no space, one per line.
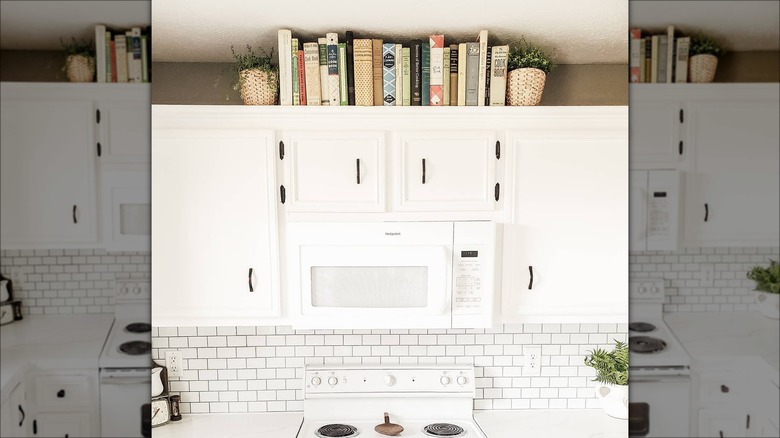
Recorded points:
51,342
572,423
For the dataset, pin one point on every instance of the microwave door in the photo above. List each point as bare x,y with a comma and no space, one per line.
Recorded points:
375,286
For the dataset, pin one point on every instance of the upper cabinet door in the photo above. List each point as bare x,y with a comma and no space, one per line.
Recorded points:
732,191
48,173
656,132
335,171
446,170
215,239
121,127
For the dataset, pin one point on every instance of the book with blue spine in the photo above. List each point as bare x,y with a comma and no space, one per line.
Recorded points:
388,74
333,68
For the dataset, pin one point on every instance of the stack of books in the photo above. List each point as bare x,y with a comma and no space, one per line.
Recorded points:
122,55
661,58
373,72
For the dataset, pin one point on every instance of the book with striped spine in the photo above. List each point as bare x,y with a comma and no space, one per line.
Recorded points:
333,69
454,52
388,73
445,73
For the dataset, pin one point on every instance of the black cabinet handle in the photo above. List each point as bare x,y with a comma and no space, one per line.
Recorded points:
423,173
721,433
282,194
682,116
498,150
724,388
251,288
23,415
281,150
497,191
99,149
747,422
357,167
706,212
531,281
75,219
680,148
61,393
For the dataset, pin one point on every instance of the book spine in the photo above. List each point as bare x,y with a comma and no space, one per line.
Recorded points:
364,72
350,67
641,59
120,42
284,40
388,73
136,65
472,74
425,84
663,47
111,68
343,90
406,69
498,70
302,77
483,45
324,92
296,85
333,69
654,59
415,49
446,76
488,61
670,54
129,56
634,55
683,46
462,57
376,51
399,76
311,61
100,53
144,59
648,58
454,74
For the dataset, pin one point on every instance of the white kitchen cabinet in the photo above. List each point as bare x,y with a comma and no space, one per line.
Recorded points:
49,196
66,403
63,424
732,196
335,170
215,228
657,134
566,243
723,423
123,126
15,413
446,170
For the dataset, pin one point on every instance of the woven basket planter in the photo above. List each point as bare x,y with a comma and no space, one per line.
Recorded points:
80,68
702,68
525,87
258,87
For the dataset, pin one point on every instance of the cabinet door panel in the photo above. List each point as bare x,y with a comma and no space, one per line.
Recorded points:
569,231
722,423
655,131
71,424
48,173
214,220
120,125
447,170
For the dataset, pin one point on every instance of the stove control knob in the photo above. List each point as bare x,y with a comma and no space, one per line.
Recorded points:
642,289
332,381
654,290
444,380
136,290
123,290
390,380
462,380
315,381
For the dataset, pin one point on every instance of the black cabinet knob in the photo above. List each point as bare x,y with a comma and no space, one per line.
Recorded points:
724,388
61,393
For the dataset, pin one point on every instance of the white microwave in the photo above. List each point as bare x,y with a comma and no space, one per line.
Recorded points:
391,274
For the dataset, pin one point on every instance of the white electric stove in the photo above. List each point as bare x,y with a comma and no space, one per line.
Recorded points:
345,401
659,367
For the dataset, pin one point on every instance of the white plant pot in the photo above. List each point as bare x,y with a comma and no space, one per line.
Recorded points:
768,304
614,399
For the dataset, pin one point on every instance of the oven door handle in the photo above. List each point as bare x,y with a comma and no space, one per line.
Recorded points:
125,380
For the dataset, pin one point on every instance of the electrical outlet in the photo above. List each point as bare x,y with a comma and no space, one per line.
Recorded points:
707,275
533,360
174,363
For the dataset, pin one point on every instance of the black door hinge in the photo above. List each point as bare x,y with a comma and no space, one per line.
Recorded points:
682,116
498,150
35,427
282,194
497,191
680,148
97,116
99,149
281,150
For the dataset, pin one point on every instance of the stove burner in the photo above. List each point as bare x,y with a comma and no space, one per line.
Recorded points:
337,431
443,429
138,327
641,327
135,348
645,344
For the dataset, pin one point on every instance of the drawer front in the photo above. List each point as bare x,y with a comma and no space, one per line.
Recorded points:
61,392
721,387
71,424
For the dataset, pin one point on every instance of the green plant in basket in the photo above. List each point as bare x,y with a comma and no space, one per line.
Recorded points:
78,47
767,279
611,366
253,60
523,54
702,44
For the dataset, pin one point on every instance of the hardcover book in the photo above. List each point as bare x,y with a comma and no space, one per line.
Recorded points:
642,50
634,55
472,74
343,88
663,48
482,78
333,69
437,70
654,59
301,77
120,42
489,60
446,76
311,61
498,70
111,68
145,58
376,50
683,46
648,58
284,37
100,53
388,73
416,72
454,74
425,84
462,57
406,69
364,72
399,76
135,63
296,86
324,91
670,54
350,68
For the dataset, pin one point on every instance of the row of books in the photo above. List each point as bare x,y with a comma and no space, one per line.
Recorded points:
372,72
122,55
661,58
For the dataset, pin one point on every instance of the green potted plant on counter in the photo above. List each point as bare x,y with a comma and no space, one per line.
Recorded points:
704,53
767,288
528,67
612,377
258,79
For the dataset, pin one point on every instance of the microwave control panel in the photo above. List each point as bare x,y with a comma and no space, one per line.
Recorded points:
469,286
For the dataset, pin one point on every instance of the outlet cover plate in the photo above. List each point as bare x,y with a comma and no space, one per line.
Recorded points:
173,361
532,365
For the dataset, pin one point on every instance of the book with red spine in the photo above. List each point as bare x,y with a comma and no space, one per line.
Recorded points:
635,58
302,77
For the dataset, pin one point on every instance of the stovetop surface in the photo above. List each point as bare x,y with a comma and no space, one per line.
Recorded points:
113,357
412,429
672,354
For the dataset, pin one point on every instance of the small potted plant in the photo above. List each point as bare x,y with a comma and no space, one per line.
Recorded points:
80,60
704,53
258,79
528,66
612,377
767,288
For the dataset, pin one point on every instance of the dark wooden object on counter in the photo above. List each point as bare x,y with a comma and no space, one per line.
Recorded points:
388,428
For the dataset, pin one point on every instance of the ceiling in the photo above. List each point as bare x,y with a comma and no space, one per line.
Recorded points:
579,31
